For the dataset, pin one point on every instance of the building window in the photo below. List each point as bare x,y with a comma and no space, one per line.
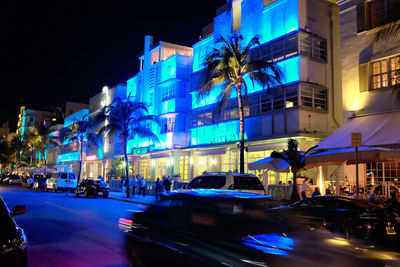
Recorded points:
277,50
378,172
277,100
375,13
168,93
312,46
383,72
313,97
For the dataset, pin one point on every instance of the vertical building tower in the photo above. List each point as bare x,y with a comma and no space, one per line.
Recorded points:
162,83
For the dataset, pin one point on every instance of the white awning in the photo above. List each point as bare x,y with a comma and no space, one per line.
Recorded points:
268,163
376,130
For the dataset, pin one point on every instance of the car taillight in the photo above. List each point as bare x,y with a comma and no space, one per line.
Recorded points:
125,224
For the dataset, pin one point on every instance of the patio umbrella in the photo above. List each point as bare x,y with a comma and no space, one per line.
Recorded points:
340,155
268,163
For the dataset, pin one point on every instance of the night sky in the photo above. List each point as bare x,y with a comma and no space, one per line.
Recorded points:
57,51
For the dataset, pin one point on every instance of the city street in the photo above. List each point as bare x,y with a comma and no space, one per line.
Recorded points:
68,231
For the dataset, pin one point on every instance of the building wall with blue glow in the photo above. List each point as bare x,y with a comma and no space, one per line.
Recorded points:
77,116
169,74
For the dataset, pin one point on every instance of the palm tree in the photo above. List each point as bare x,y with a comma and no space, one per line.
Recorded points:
17,156
81,135
40,137
227,66
296,161
128,119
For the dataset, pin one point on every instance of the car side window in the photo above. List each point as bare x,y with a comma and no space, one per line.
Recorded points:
247,182
64,175
196,183
71,176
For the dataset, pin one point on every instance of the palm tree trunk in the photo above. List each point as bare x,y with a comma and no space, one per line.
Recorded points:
128,194
241,119
80,160
295,193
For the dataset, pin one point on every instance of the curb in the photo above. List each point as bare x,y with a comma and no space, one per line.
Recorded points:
131,201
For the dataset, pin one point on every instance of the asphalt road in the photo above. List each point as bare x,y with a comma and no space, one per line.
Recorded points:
68,231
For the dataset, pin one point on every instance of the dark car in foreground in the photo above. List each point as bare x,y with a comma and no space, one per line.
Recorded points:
94,188
225,228
13,241
349,217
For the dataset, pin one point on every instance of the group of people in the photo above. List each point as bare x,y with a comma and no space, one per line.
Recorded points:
306,190
140,183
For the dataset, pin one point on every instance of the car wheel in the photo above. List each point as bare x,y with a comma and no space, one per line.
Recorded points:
54,189
46,189
86,193
105,195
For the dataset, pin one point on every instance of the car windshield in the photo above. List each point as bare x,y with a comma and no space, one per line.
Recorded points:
207,182
247,183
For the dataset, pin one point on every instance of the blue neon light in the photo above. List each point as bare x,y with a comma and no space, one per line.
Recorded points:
168,106
73,156
278,19
200,51
290,67
216,133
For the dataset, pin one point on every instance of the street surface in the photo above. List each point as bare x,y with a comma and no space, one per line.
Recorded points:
68,231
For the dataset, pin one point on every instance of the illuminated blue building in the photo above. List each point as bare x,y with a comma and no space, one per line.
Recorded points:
301,36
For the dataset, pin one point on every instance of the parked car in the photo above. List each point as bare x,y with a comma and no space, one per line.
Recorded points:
39,182
350,217
61,181
13,241
222,228
89,187
4,176
14,179
228,181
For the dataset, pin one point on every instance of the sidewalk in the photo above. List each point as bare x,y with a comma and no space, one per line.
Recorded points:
147,200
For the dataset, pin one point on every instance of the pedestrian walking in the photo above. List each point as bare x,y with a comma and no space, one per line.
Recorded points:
123,185
158,187
305,188
134,183
167,184
142,186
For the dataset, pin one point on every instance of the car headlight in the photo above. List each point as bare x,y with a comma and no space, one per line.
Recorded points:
18,242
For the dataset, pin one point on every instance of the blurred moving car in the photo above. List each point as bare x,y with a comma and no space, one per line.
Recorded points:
14,179
13,241
61,181
228,181
89,187
350,217
221,228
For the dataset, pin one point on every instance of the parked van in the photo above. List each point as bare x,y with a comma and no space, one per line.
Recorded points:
61,181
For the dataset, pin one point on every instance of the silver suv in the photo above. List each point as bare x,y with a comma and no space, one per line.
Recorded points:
228,181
